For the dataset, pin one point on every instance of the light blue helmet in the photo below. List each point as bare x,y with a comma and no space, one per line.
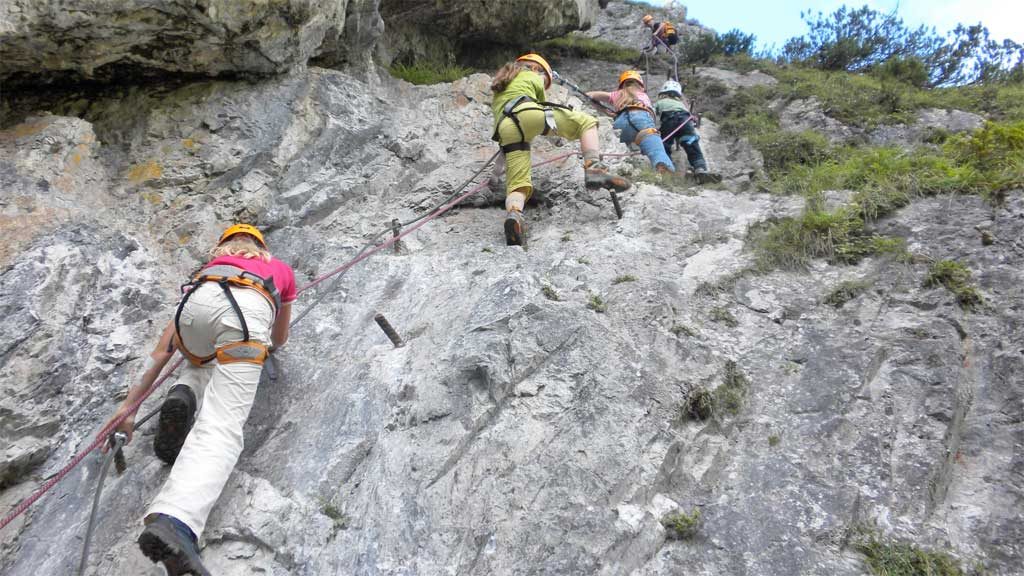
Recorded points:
671,87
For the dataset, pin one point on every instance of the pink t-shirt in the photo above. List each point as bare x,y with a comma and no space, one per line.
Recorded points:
642,97
284,278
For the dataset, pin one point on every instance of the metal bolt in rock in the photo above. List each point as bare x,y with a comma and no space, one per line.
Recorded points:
391,333
615,202
396,227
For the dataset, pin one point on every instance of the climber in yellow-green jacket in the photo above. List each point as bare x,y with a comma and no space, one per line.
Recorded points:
521,113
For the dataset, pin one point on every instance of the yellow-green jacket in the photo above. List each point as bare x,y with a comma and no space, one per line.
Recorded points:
526,83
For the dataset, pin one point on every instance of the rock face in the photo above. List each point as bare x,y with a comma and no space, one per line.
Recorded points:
536,421
436,31
125,39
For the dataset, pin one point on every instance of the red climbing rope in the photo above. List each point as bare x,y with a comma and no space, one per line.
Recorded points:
102,436
100,439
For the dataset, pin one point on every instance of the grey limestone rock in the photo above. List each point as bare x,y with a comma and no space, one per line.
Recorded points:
124,40
523,428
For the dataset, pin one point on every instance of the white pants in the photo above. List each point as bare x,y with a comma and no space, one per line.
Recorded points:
224,393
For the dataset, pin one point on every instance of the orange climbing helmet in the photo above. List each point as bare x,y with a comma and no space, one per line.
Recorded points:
537,59
243,229
631,75
648,18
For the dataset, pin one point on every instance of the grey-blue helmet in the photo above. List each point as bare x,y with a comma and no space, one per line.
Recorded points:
671,87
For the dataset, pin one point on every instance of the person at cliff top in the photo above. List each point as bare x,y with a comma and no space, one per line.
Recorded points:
634,118
677,127
521,113
233,309
662,34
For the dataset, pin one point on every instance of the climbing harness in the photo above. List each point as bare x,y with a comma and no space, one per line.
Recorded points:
226,276
365,252
509,111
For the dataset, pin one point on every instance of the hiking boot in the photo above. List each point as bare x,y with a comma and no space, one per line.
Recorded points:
704,177
596,175
514,228
168,540
177,415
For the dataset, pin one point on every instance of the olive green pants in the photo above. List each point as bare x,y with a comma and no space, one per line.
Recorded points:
571,124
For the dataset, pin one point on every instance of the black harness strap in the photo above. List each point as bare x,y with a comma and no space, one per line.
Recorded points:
234,306
510,112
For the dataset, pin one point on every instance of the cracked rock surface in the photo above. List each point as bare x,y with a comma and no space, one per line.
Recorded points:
535,420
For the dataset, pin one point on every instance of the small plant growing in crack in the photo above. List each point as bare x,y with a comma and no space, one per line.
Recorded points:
550,293
845,292
700,405
597,304
583,261
682,526
623,278
682,330
774,440
338,518
487,250
721,315
956,278
566,237
727,398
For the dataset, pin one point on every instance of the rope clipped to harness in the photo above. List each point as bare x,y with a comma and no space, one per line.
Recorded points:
509,111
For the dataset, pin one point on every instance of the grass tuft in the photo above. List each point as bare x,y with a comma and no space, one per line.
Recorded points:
578,46
846,291
429,73
723,316
956,278
900,559
682,526
597,304
727,398
623,278
550,293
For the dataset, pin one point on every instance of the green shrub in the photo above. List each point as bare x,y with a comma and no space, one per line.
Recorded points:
597,304
900,559
550,293
956,278
699,405
429,73
579,46
723,316
682,526
623,278
846,291
730,394
682,330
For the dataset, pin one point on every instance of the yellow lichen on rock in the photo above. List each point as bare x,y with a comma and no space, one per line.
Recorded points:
146,171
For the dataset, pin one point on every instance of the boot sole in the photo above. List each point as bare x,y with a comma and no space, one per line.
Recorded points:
158,543
172,430
513,233
617,184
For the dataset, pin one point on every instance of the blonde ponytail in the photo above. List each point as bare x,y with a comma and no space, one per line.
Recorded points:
241,245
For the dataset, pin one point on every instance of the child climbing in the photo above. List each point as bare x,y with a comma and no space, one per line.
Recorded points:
671,113
663,34
634,117
521,113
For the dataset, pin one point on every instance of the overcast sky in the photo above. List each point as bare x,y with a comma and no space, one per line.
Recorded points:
773,22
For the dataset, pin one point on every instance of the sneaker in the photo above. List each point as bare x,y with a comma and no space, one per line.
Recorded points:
704,177
514,228
177,415
596,175
168,540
